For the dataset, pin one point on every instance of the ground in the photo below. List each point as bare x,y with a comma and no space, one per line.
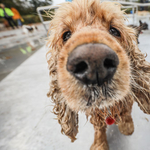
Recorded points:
16,47
26,121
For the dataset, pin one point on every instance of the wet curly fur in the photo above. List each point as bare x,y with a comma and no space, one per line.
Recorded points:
89,21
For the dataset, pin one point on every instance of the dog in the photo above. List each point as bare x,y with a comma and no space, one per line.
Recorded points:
29,29
95,67
142,26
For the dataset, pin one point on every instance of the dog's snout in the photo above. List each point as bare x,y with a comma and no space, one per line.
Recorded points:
93,63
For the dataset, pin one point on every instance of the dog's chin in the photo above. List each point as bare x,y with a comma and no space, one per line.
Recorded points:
102,101
83,97
102,96
87,97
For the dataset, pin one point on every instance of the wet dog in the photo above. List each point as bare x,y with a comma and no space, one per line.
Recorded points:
95,67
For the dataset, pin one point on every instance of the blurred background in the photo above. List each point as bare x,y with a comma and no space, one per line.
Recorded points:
26,121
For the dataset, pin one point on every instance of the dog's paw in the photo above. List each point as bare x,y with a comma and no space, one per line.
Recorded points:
103,146
126,127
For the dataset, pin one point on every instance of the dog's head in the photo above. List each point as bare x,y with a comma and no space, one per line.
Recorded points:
92,62
93,57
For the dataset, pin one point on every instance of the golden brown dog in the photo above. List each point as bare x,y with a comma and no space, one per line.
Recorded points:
95,67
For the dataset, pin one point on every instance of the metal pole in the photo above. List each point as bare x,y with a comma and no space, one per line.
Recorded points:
41,18
133,13
136,14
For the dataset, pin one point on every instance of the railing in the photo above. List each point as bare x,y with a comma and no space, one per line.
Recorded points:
132,5
39,9
135,17
131,15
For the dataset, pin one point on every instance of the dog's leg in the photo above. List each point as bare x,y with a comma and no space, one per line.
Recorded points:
126,125
100,140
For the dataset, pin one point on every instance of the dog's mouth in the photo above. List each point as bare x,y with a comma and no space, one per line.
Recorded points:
99,94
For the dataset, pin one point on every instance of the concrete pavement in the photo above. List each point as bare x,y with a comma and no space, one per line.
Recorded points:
26,121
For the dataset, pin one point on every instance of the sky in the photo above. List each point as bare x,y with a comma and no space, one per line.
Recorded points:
55,2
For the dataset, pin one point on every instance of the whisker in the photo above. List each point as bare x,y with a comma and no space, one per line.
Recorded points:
101,93
106,90
89,101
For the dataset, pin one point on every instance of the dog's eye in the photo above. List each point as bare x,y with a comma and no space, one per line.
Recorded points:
114,31
66,36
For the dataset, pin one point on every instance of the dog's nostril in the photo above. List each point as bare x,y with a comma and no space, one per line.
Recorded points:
109,63
81,67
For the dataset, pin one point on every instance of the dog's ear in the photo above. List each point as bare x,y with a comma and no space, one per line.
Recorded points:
140,78
66,117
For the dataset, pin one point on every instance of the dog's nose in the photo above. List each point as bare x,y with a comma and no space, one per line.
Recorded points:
93,63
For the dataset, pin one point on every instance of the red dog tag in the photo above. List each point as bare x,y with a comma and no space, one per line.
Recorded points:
110,121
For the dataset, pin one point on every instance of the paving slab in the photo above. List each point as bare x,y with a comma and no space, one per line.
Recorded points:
26,121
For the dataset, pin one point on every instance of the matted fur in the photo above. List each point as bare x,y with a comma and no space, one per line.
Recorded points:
89,21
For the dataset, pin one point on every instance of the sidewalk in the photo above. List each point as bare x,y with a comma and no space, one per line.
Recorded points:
26,121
